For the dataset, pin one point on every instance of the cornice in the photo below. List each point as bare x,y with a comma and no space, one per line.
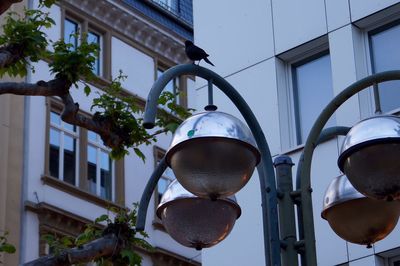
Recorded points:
132,24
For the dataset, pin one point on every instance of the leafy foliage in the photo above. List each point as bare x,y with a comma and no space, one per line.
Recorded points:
5,247
23,36
123,110
71,63
122,225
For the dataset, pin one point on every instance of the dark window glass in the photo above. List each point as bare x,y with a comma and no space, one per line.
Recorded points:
312,92
92,169
105,176
70,31
171,87
69,159
385,56
95,38
54,155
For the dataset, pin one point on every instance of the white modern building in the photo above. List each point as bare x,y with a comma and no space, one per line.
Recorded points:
56,177
288,59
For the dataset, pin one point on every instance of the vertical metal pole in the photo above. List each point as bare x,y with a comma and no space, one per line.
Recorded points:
287,226
210,106
377,99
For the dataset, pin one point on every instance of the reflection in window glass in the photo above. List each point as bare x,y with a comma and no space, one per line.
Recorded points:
312,92
105,176
69,159
100,172
63,149
92,168
54,155
70,31
385,56
95,38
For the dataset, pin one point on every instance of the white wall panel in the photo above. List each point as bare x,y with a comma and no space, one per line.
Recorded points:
337,13
367,261
344,73
138,66
296,22
363,8
237,34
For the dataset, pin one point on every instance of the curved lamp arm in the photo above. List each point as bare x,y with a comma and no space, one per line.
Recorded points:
303,173
265,169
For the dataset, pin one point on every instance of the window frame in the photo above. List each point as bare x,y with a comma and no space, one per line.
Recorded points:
75,135
367,33
81,189
100,147
85,25
294,90
181,82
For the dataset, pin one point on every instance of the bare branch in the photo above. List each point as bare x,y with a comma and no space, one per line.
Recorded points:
105,246
55,87
5,4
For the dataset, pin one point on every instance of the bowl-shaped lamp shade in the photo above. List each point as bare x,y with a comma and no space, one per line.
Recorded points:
213,154
356,218
370,157
196,222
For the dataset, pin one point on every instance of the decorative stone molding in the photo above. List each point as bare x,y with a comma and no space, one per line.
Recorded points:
134,25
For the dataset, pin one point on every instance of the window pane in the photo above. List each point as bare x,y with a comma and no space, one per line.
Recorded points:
55,119
105,174
95,38
69,159
312,92
69,127
54,154
385,56
70,29
92,136
92,167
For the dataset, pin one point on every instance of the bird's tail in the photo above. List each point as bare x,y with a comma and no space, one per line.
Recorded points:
208,61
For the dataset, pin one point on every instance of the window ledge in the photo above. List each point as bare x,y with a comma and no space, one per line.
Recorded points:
78,192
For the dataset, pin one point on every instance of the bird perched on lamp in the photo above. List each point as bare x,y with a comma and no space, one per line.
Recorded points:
195,53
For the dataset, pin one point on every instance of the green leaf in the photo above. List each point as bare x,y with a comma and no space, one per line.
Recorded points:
140,154
87,90
102,218
7,248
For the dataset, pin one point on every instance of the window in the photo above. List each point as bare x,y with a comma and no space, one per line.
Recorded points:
70,30
395,261
172,86
79,163
170,5
385,56
95,38
99,167
72,27
63,149
312,91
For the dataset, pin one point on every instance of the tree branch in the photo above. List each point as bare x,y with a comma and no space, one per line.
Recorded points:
105,246
10,54
5,4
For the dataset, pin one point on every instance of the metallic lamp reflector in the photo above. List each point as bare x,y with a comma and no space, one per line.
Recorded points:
196,222
370,157
213,154
356,218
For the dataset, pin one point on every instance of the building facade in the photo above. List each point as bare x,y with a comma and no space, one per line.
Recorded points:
288,59
57,177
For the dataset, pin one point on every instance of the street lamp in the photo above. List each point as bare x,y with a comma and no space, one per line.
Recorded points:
370,157
196,222
213,154
355,217
275,244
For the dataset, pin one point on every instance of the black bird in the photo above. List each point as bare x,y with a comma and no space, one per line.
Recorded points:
195,53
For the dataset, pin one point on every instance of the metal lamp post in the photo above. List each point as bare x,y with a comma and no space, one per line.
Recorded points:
277,251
